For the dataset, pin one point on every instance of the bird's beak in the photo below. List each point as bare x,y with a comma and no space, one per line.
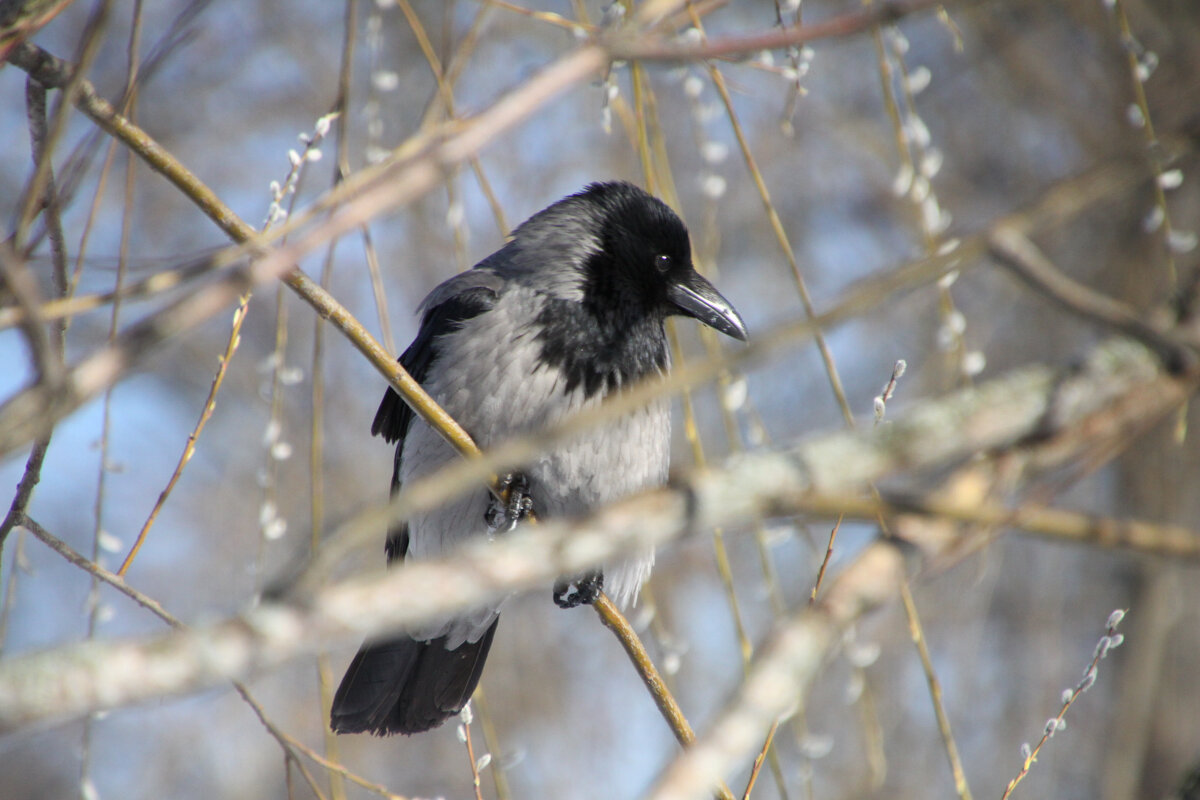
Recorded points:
696,297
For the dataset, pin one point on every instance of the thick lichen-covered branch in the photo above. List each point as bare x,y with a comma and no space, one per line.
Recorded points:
1120,383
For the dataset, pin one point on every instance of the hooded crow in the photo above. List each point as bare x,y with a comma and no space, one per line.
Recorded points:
568,312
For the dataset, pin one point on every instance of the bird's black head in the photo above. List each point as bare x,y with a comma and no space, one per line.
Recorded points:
643,263
604,326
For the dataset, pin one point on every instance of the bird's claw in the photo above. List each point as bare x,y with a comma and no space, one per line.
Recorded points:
578,591
503,516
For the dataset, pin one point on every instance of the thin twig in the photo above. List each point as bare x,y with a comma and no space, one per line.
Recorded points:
29,481
66,307
103,468
615,621
1139,73
935,692
1142,536
916,629
914,181
316,463
335,768
48,356
786,665
19,282
1015,251
35,189
189,447
35,95
492,741
1108,641
759,759
651,48
548,17
810,311
210,402
289,752
156,608
96,571
464,733
812,596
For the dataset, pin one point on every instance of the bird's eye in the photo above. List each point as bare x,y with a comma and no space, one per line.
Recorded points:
662,262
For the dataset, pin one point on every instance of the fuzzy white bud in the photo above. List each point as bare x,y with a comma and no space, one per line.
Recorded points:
918,80
713,186
322,126
714,152
1181,241
974,363
1171,179
1154,220
385,80
109,543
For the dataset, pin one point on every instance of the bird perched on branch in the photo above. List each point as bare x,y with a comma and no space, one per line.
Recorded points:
568,312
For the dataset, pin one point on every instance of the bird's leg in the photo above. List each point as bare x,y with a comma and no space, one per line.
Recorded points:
503,516
587,588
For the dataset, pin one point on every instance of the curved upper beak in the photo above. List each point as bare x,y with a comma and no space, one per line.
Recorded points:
694,296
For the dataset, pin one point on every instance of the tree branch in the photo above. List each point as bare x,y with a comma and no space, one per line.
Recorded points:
1016,252
37,408
1035,404
655,48
1140,536
779,677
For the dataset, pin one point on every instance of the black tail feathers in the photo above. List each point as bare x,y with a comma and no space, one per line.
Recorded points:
407,686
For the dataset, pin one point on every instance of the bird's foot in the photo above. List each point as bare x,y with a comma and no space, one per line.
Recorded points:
579,591
503,516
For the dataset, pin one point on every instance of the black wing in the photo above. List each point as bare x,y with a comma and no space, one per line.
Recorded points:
448,306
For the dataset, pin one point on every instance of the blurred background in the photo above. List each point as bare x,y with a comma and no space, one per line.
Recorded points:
876,149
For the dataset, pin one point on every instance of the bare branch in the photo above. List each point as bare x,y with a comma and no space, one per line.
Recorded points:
1119,379
417,169
1150,538
1014,250
850,24
162,281
779,677
46,355
100,573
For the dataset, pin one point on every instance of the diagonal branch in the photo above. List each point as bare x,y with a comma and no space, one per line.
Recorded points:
786,665
1141,536
648,48
1016,252
405,179
290,745
1119,380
